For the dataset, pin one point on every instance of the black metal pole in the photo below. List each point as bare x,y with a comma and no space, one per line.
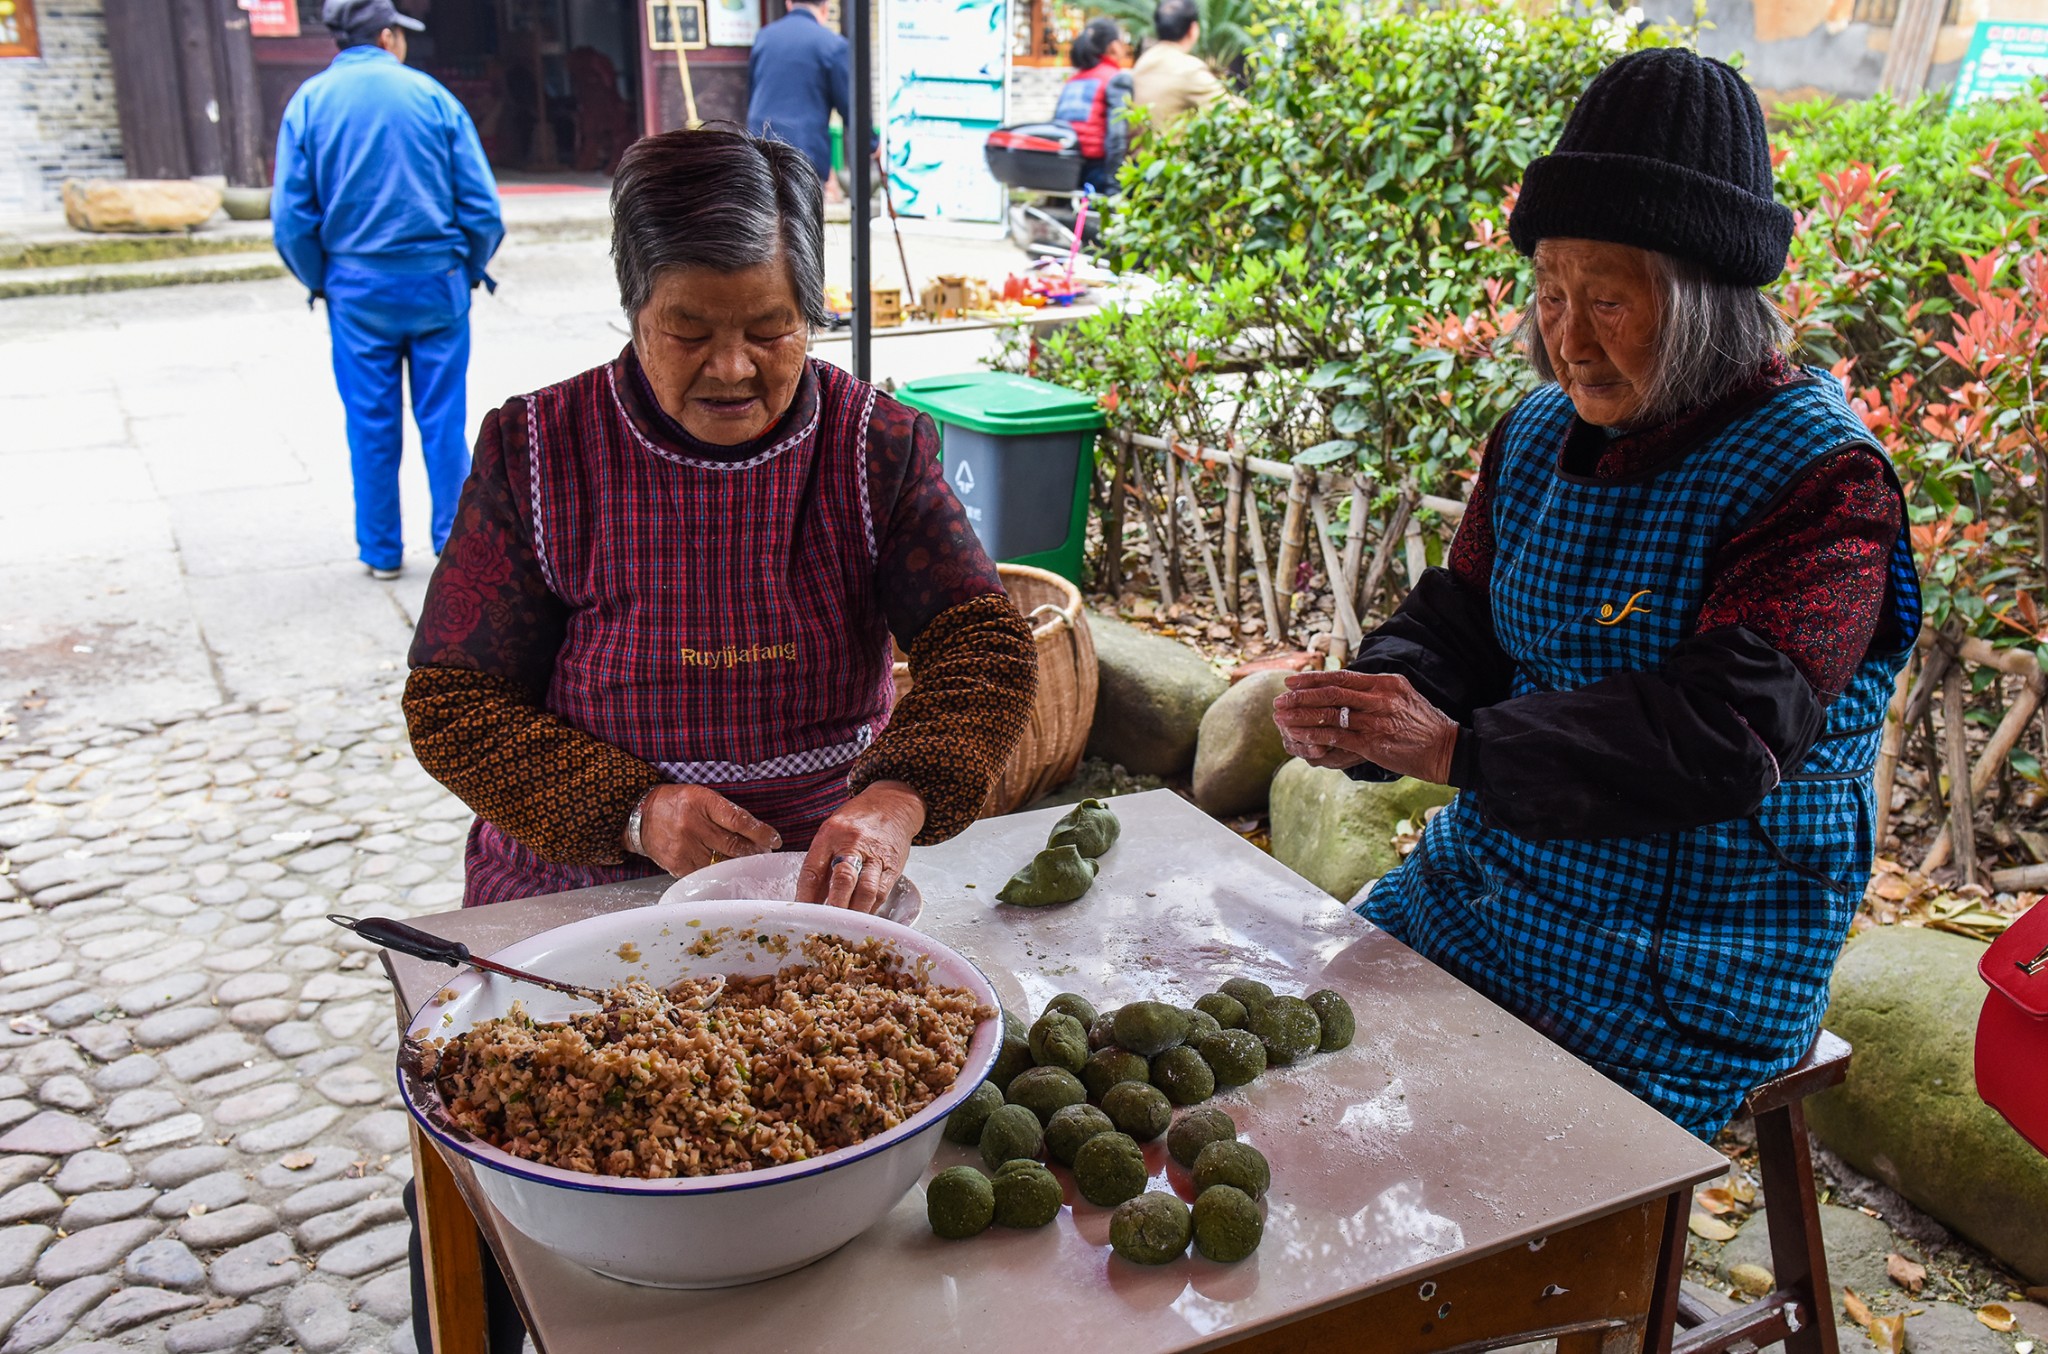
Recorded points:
860,22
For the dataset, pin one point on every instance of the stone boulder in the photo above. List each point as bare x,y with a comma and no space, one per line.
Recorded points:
138,204
1239,748
1151,694
1338,833
1909,1114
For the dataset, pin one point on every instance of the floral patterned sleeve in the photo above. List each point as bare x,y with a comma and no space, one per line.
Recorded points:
482,659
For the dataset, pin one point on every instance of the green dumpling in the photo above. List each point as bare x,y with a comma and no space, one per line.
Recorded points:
1152,1229
1027,1195
1058,1040
1246,992
1011,1133
1072,1126
1184,1075
1045,1091
1235,1056
1226,1010
1089,828
959,1203
1228,1223
1200,1024
1237,1164
1106,1067
1073,1004
1139,1109
1058,874
1196,1129
1013,1057
963,1125
1150,1027
1109,1169
1102,1031
1288,1027
1339,1025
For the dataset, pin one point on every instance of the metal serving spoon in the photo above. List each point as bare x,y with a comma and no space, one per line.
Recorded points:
694,993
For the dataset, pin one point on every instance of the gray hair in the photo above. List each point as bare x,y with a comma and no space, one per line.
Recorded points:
1711,337
718,199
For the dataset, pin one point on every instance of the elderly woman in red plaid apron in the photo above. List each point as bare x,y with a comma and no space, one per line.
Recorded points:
660,633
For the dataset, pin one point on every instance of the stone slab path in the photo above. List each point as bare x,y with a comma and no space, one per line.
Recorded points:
201,1147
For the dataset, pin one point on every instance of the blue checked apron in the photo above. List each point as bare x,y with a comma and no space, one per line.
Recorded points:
1692,965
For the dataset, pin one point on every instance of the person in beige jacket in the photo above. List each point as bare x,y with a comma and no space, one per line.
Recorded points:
1170,81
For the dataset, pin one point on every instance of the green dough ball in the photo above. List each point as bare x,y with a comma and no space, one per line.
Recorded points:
963,1125
1055,875
1235,1056
1200,1023
1073,1004
1089,827
1139,1109
1014,1025
1109,1169
1247,993
1106,1068
1184,1076
1196,1129
1012,1058
1058,1040
959,1202
1237,1164
1228,1223
1071,1127
1288,1027
1046,1090
1335,1014
1027,1195
1150,1027
1227,1011
1011,1133
1102,1031
1152,1229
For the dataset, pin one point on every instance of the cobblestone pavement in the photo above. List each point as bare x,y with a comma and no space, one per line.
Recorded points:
200,1141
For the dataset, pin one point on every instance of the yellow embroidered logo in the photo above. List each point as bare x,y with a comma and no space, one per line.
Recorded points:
732,656
1609,616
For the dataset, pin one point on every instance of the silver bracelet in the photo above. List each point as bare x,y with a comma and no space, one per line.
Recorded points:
633,846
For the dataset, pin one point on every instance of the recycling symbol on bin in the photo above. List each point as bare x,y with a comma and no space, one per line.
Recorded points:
963,478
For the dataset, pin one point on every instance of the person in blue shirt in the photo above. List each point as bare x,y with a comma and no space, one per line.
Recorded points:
801,73
385,207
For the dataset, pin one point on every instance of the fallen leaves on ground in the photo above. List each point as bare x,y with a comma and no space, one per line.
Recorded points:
1888,1333
1709,1228
1898,896
1996,1317
1907,1274
1855,1308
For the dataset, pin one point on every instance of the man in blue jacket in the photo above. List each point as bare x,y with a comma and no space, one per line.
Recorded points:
801,72
385,206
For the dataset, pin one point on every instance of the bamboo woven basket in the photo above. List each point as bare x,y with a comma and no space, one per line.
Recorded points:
1064,712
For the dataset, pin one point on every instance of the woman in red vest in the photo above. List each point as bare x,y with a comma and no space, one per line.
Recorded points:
1093,100
660,634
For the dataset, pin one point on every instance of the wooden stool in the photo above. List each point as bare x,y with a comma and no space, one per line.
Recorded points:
1801,1311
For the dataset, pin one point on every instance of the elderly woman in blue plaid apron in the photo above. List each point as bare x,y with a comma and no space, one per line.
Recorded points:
1657,662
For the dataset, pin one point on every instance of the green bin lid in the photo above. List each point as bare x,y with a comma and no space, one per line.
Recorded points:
1002,404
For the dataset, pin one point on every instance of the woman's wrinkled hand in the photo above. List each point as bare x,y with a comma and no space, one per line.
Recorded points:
686,827
1340,719
859,852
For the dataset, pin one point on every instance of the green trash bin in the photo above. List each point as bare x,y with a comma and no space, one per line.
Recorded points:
1020,454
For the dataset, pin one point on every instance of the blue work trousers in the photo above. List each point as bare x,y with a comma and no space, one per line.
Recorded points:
381,321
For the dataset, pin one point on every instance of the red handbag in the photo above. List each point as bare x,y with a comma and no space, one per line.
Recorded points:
2012,1033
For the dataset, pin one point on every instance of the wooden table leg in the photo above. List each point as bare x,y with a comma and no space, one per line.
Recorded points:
452,1250
1591,1286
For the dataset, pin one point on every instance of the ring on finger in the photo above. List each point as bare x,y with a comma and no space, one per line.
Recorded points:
858,861
1343,716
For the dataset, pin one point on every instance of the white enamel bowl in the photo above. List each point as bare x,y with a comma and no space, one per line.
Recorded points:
706,1231
774,876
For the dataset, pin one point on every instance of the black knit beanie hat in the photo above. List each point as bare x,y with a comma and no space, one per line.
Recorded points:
1665,151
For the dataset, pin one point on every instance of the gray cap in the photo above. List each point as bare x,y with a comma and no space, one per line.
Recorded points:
357,18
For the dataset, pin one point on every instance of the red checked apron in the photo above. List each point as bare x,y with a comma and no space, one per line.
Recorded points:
725,627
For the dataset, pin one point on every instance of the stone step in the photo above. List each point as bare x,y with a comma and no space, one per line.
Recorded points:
78,279
52,244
